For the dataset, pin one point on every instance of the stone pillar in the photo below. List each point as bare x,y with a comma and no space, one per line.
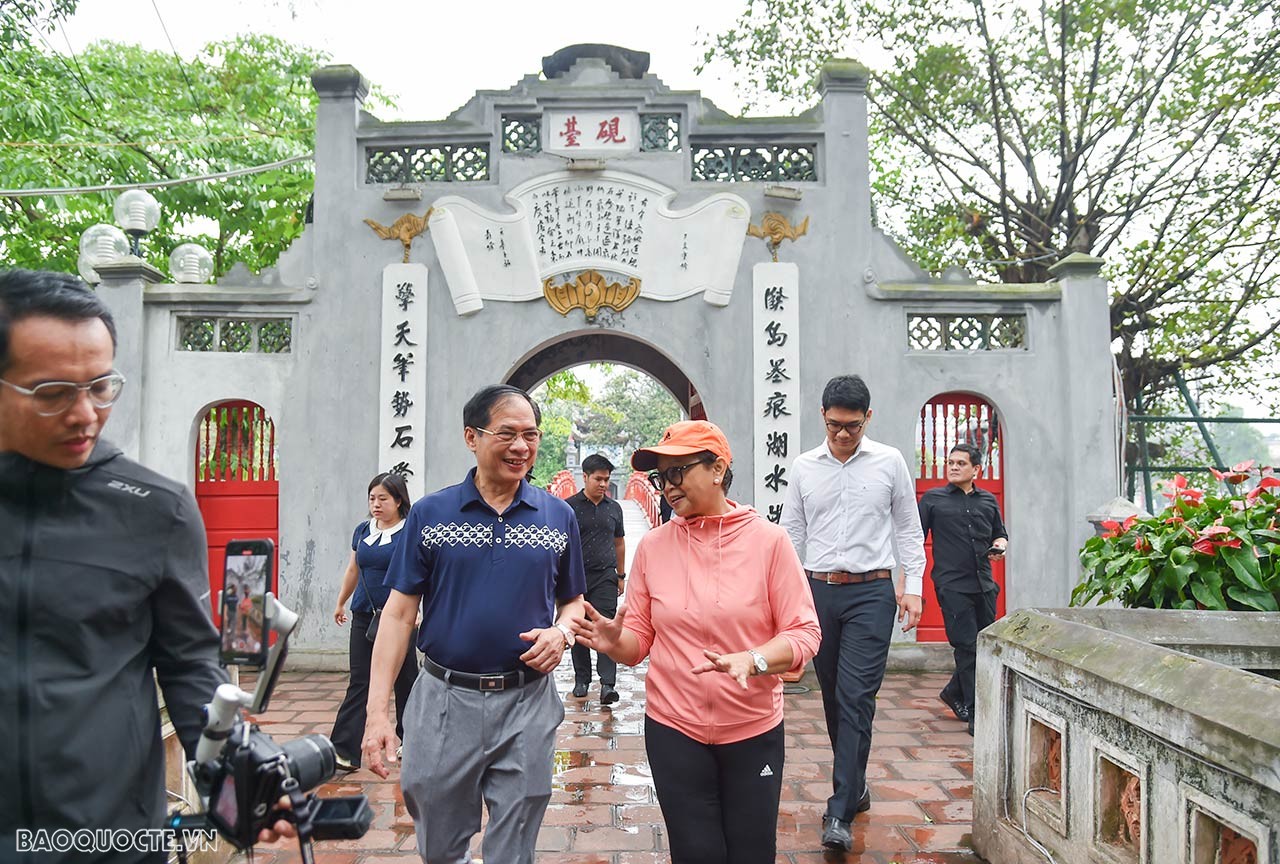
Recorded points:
1092,457
124,281
845,161
342,91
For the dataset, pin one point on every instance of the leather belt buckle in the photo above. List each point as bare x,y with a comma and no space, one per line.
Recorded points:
831,581
493,682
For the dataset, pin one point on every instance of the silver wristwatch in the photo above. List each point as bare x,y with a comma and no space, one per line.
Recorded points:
761,665
567,633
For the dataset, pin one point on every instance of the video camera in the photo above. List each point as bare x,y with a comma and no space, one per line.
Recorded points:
240,771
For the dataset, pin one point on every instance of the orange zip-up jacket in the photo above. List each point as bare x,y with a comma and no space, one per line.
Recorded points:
727,583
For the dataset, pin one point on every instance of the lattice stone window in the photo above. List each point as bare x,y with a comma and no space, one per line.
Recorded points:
971,332
445,163
235,335
726,163
660,132
521,133
197,334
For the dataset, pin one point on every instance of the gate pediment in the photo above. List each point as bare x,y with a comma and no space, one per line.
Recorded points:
565,223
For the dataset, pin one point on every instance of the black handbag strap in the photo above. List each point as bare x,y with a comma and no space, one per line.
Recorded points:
360,572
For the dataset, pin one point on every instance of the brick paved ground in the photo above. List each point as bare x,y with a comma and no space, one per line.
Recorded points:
604,811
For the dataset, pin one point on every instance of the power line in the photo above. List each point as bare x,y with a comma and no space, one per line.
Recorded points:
76,60
201,139
181,67
63,60
153,184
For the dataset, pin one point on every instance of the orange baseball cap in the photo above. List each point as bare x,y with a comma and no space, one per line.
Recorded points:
683,439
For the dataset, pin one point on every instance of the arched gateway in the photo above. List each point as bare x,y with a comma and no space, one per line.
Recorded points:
591,212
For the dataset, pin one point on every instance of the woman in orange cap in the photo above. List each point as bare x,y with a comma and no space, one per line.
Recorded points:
720,605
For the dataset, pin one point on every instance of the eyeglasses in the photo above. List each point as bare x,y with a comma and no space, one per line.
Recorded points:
852,428
673,475
509,436
56,397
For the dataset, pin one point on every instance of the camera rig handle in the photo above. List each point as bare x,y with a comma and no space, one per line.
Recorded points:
222,713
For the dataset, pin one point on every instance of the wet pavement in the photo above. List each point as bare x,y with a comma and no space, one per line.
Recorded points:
604,810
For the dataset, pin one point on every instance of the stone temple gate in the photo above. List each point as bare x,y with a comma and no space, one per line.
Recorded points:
592,213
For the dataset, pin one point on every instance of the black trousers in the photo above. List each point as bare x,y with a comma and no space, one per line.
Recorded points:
720,801
348,728
964,614
857,623
602,593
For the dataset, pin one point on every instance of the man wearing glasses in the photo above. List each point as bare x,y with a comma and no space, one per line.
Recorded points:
104,569
850,502
968,534
496,565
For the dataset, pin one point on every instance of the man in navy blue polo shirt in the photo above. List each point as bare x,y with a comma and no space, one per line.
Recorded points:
496,565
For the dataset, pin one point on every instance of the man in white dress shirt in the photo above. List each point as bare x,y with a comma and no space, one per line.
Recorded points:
850,501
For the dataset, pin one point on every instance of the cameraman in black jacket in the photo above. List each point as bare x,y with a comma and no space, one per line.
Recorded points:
104,576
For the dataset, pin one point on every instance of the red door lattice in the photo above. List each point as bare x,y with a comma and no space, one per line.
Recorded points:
237,484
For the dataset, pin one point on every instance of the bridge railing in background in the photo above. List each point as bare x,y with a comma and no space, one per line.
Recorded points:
639,491
561,485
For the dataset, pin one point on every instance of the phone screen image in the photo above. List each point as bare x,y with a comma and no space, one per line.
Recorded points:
246,579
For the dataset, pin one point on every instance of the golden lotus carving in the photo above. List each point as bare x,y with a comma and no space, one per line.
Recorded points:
774,228
589,292
404,229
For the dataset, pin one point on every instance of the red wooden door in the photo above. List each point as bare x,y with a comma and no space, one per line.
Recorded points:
946,420
237,487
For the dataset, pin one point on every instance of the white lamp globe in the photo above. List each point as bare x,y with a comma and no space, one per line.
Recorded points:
191,263
137,211
99,244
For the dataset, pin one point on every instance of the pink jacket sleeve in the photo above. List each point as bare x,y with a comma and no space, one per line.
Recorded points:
638,619
792,601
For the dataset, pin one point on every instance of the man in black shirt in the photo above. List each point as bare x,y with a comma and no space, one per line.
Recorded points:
603,557
968,534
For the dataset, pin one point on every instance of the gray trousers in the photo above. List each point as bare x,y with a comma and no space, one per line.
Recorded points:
463,747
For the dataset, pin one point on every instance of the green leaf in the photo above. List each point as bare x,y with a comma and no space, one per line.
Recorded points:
1209,595
1245,565
1263,601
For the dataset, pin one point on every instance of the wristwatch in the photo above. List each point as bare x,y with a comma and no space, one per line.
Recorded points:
567,633
759,664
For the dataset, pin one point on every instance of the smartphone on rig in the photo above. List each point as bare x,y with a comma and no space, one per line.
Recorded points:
246,579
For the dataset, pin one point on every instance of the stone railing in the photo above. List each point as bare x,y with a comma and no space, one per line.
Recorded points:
639,491
562,485
1128,737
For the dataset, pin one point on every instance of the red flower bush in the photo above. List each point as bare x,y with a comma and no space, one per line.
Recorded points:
1205,551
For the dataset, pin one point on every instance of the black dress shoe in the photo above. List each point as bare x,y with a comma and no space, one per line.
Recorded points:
580,690
970,723
835,834
608,695
956,706
864,803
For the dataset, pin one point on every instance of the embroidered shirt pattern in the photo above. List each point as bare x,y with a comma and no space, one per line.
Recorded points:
537,535
453,534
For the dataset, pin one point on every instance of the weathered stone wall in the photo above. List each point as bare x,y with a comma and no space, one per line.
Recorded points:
1127,737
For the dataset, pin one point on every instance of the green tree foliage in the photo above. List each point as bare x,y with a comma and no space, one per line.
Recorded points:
630,411
123,114
25,21
1009,134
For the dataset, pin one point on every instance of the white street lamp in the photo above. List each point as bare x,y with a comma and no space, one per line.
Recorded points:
100,244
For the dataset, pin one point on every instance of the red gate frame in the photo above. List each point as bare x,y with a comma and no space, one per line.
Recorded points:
239,500
983,427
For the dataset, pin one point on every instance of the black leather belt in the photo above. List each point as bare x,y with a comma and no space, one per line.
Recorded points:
841,578
487,683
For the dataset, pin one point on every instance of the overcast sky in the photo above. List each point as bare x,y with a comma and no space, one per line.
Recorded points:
431,56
